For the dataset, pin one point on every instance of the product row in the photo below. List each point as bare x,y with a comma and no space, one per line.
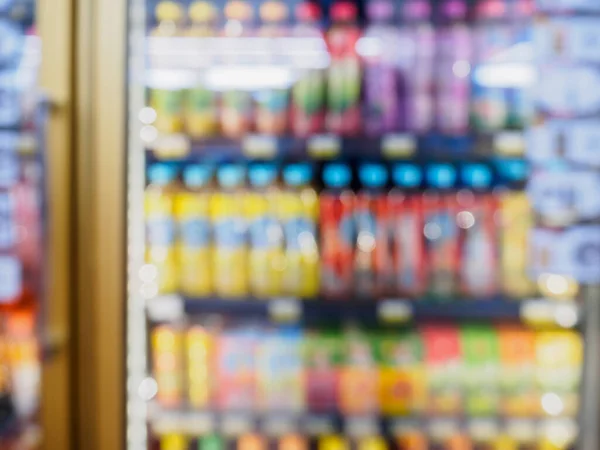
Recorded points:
435,369
384,78
262,232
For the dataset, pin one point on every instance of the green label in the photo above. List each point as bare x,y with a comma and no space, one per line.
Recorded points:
167,101
344,85
201,99
309,93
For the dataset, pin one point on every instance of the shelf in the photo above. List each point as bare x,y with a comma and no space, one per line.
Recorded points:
393,146
392,311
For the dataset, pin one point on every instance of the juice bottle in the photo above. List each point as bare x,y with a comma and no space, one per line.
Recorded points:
200,355
230,261
484,433
211,442
477,233
481,361
292,442
401,373
160,225
173,441
453,69
384,82
359,375
201,102
272,104
236,104
251,441
236,369
167,355
298,214
443,361
445,434
406,212
265,257
344,77
333,442
417,62
280,372
441,231
492,36
337,231
308,94
192,210
411,437
372,257
519,397
166,101
322,362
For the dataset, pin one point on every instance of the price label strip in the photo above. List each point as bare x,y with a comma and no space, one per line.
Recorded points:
173,146
285,309
260,146
166,308
394,311
324,146
509,143
398,145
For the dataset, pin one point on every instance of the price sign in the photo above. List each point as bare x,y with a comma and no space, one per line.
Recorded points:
362,426
167,308
11,278
171,147
573,252
394,310
260,146
569,91
398,145
509,143
285,309
324,146
523,430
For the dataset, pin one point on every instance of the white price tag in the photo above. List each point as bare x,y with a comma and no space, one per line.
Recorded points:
171,146
324,146
277,426
394,310
509,143
197,423
236,424
319,425
166,308
260,146
398,145
166,422
362,426
11,278
285,309
483,429
569,91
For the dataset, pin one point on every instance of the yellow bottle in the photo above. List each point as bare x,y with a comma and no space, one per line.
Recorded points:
201,118
192,210
372,443
173,441
230,260
200,359
265,256
333,442
298,210
160,225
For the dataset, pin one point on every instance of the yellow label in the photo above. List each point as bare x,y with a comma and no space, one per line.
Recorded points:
199,357
372,443
173,442
333,443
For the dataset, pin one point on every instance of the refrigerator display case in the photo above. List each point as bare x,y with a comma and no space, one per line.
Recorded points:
338,230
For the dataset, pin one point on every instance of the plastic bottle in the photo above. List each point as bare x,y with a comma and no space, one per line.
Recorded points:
478,233
417,62
344,77
160,225
308,94
199,362
337,231
11,265
272,104
492,36
167,365
372,257
202,103
454,54
298,214
173,441
230,261
236,107
265,257
384,82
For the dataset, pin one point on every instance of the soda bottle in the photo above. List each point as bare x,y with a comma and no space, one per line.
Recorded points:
167,355
230,261
477,233
492,36
384,81
192,210
344,77
333,442
272,104
265,256
298,214
202,102
251,441
441,231
323,351
453,69
236,104
308,94
337,231
406,212
372,256
159,206
417,62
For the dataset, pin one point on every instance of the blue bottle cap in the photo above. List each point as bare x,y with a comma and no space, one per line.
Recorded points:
373,175
407,175
477,176
261,175
513,170
297,174
337,175
442,176
197,175
161,174
231,175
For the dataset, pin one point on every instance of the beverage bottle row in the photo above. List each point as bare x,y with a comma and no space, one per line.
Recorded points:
263,232
432,370
384,78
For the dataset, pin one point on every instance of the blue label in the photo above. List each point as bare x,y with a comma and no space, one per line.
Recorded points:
264,233
347,230
160,231
230,233
366,223
195,233
445,228
294,231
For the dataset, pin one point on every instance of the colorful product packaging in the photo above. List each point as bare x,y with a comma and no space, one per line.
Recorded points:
293,442
200,361
323,350
167,364
173,441
333,442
